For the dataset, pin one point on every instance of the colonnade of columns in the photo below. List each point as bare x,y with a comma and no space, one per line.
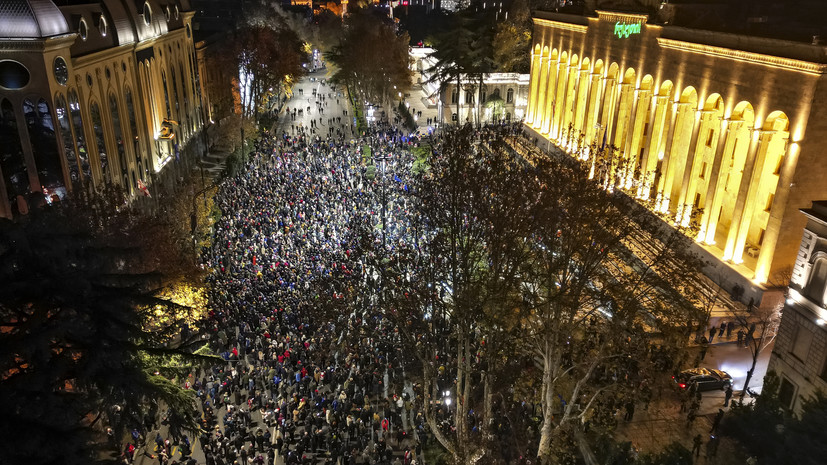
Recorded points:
699,161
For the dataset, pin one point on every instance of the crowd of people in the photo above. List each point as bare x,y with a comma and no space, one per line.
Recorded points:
295,384
298,382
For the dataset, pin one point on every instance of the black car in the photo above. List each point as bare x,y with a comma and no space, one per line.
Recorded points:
706,379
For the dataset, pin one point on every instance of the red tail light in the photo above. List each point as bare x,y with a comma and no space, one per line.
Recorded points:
682,385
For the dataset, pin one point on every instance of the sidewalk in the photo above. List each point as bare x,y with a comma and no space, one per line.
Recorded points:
663,423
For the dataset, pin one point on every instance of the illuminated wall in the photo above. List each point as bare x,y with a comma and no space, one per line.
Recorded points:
695,124
800,353
100,87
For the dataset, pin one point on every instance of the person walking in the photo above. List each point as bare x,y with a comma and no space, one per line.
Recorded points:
717,421
696,445
727,395
691,415
630,410
712,448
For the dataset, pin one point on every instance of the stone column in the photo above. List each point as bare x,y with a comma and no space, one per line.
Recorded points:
581,102
742,215
559,98
640,116
777,210
665,183
714,191
651,149
593,108
541,90
694,161
532,95
548,107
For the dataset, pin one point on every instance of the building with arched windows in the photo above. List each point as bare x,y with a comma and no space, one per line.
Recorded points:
502,96
722,129
799,357
93,94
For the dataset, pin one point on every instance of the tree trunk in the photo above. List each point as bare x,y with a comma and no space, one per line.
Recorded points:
429,387
487,401
547,400
459,86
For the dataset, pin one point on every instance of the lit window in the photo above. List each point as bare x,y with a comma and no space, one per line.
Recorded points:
817,281
803,340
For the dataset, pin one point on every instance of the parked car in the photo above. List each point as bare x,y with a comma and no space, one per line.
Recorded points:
706,379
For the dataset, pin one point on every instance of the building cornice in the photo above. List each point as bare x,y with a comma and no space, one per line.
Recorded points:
561,25
102,55
616,16
37,44
790,64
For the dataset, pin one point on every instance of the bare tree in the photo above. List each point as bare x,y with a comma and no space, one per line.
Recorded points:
760,325
604,278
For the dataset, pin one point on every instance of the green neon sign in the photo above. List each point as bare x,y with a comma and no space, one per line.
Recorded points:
624,30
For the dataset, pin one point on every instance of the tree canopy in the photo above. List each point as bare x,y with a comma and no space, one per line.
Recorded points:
86,339
372,56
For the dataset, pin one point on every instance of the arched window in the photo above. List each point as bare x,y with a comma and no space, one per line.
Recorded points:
185,92
175,93
166,93
83,30
77,124
97,128
469,97
44,146
196,85
66,136
12,161
116,127
147,14
509,96
818,281
133,134
483,95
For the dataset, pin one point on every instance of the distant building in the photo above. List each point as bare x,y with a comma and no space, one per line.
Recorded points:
93,94
723,126
800,353
503,97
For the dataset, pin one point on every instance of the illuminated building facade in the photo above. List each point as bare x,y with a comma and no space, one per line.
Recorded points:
726,129
503,96
93,94
800,353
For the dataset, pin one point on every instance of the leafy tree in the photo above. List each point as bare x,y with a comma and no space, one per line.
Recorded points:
512,41
268,55
674,454
463,52
452,52
85,341
371,58
805,438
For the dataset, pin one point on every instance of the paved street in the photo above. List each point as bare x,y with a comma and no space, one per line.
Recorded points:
334,105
